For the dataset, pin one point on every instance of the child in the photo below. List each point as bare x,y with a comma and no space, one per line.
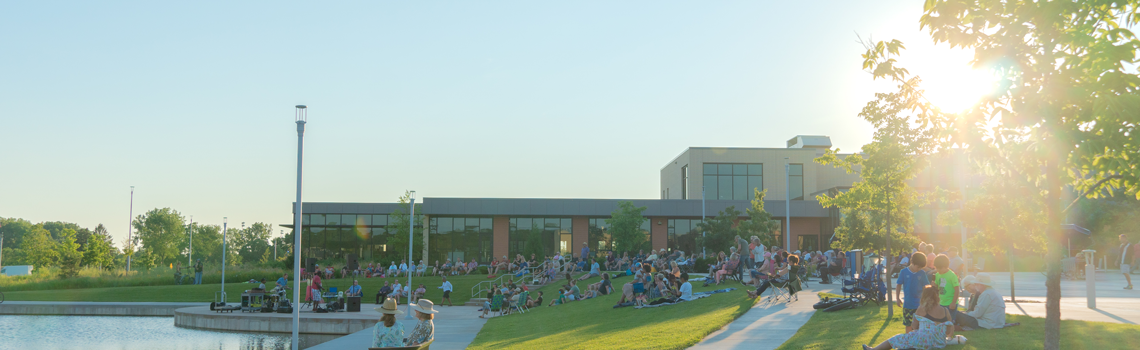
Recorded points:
947,283
913,279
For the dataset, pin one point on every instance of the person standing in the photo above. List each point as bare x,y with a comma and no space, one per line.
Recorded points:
447,288
913,280
198,272
585,250
1126,255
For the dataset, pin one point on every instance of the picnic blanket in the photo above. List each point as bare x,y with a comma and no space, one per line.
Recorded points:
695,297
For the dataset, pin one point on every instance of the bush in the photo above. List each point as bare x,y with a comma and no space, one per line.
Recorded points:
45,278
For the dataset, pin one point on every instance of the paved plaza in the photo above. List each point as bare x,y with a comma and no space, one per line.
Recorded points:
455,329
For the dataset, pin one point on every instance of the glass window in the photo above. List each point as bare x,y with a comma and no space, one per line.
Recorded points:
317,219
740,169
755,183
709,190
724,187
796,181
348,219
724,169
332,219
710,169
444,224
305,219
365,220
380,220
756,169
740,187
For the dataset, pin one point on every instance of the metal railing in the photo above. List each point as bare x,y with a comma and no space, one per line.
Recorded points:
479,288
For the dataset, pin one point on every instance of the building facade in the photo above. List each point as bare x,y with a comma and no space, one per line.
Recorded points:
700,182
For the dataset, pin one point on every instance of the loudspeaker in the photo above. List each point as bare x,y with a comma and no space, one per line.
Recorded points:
353,261
353,304
311,265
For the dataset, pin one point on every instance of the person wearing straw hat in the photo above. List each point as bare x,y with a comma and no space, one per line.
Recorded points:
389,332
987,307
425,330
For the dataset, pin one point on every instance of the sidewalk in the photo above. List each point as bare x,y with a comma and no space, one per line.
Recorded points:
455,329
1114,303
767,325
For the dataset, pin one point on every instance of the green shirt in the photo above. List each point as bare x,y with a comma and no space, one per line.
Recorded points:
947,283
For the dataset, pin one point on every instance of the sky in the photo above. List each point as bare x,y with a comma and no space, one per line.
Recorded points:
193,103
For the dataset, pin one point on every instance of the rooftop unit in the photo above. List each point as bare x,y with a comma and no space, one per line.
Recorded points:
810,141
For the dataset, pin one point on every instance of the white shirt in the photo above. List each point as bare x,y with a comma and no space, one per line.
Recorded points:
758,252
446,286
1124,253
904,261
396,287
393,267
403,267
990,310
686,291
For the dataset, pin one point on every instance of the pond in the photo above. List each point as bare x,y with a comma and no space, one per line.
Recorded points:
128,333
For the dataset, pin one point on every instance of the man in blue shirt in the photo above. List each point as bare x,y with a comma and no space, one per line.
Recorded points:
355,290
912,279
283,282
585,250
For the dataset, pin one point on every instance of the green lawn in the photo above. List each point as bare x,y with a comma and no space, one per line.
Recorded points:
205,292
851,328
595,324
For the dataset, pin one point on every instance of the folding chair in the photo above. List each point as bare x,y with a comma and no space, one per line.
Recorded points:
787,290
497,304
520,304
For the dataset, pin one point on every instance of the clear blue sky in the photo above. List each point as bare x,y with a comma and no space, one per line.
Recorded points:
192,103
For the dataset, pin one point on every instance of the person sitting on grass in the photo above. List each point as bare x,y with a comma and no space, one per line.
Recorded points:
560,299
500,266
574,292
986,309
382,293
933,319
684,293
404,267
435,269
471,266
604,287
595,271
419,292
397,291
393,270
422,268
913,280
534,302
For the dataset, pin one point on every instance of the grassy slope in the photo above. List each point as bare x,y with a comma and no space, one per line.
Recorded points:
205,292
852,328
595,324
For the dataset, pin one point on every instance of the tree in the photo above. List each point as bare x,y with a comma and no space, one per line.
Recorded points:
162,234
625,228
1065,111
38,248
760,223
207,243
99,252
720,231
69,255
398,228
250,243
534,242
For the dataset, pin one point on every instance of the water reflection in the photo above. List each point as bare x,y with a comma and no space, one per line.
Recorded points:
128,333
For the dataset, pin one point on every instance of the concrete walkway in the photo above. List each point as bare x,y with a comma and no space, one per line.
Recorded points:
1114,303
767,325
455,329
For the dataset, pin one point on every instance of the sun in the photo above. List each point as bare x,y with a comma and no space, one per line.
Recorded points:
955,90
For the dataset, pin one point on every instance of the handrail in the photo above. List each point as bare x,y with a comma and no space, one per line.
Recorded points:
476,289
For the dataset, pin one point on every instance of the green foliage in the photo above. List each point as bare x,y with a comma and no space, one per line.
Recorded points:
162,235
69,255
99,251
207,243
625,228
250,243
534,242
398,226
720,231
38,248
760,223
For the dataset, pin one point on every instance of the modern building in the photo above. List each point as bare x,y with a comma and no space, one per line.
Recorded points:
701,181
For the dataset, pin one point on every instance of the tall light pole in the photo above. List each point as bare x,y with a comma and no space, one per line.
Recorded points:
225,220
190,255
703,217
411,229
131,218
300,116
787,204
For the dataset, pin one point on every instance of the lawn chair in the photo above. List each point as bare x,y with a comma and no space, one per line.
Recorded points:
497,304
520,305
787,290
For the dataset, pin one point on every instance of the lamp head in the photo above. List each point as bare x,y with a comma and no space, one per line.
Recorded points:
412,194
302,114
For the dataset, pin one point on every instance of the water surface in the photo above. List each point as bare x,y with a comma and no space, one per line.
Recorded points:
129,333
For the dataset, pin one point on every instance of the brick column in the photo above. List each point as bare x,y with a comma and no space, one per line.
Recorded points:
659,232
580,234
500,235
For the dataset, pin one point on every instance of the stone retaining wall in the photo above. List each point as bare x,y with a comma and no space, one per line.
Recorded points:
90,309
202,318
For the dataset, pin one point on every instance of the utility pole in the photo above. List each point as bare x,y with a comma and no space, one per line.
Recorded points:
787,204
889,257
190,256
131,218
411,230
703,216
225,220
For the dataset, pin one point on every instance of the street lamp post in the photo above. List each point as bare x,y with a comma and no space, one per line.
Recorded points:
411,230
190,255
225,220
703,219
300,116
787,204
131,218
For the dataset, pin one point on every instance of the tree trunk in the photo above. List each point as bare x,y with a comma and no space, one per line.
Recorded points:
1053,235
